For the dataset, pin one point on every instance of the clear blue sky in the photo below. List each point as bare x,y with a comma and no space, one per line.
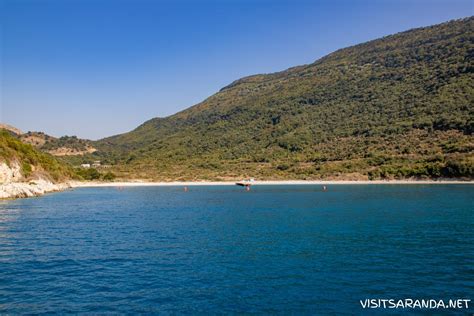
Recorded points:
94,68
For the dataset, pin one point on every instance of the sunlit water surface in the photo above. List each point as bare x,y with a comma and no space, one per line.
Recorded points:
220,249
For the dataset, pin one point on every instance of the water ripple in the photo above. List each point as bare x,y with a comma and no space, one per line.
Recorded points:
274,250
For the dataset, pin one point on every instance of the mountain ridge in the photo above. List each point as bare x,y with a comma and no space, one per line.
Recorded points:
324,119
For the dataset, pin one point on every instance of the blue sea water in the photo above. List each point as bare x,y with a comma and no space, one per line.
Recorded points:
220,249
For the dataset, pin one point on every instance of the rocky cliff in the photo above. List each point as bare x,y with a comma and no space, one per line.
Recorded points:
26,172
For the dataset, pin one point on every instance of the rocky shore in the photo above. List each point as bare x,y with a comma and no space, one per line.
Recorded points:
29,189
14,185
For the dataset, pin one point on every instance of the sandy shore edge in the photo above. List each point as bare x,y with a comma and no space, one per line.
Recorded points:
282,182
40,187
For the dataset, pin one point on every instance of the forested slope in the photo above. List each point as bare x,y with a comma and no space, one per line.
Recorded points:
396,107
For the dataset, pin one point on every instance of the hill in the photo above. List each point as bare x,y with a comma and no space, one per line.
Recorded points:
396,107
21,162
11,129
62,146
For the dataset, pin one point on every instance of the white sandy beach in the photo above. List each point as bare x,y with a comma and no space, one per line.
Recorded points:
276,182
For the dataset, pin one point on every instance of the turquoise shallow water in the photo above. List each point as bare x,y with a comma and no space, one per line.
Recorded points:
220,249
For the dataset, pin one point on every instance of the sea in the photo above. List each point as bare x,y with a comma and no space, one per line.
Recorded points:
275,249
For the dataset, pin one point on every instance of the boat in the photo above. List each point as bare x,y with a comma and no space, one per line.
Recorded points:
245,183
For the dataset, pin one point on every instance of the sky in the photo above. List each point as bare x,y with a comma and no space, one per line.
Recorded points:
96,68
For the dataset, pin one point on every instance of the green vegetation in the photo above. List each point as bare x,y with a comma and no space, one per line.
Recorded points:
31,160
397,107
88,174
34,162
65,145
108,176
66,141
92,174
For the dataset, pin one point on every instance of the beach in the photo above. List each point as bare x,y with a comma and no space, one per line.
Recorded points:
258,182
39,187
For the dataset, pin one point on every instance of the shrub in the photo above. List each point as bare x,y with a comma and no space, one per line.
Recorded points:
89,174
109,176
283,167
26,168
454,168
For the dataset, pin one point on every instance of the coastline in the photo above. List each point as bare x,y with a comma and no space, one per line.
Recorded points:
15,190
269,182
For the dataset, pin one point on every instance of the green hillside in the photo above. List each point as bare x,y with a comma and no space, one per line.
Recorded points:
32,161
396,107
62,146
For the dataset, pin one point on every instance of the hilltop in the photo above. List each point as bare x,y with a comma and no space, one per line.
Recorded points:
11,129
396,107
62,146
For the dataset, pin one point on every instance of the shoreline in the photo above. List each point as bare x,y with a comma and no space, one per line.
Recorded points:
269,182
15,190
34,188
